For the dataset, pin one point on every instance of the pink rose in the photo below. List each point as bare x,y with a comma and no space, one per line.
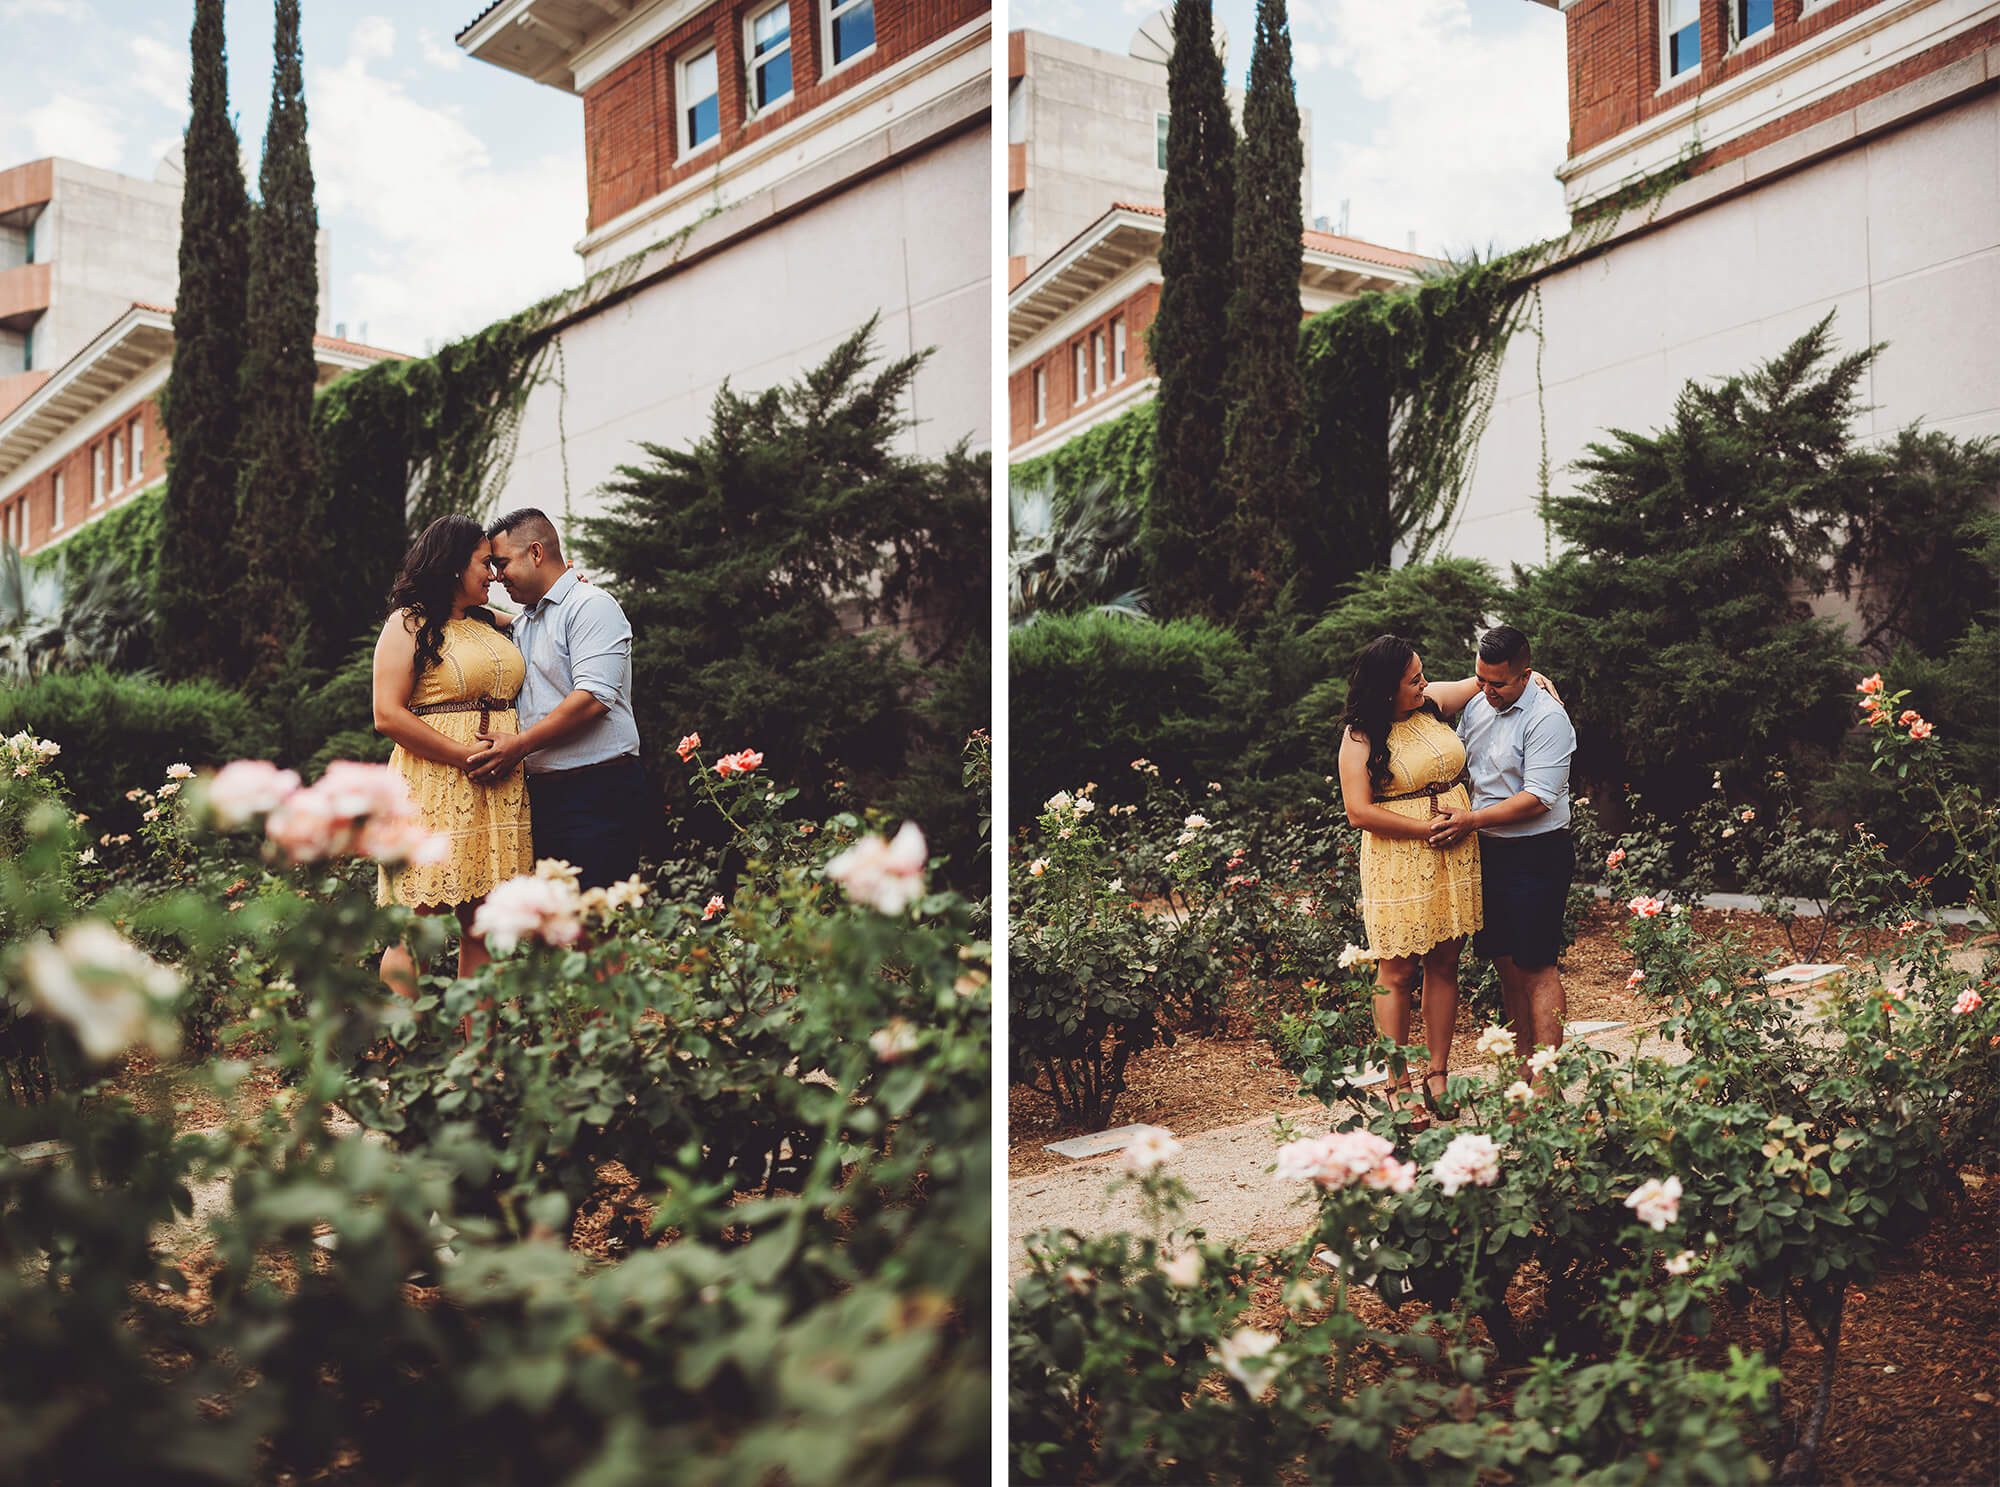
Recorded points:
715,906
686,747
1615,856
1635,980
1870,684
246,789
1969,1001
1645,906
1921,729
1656,1203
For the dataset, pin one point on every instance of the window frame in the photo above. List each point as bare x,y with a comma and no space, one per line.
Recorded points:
682,130
117,458
98,488
1738,37
1039,394
1097,360
751,62
1079,371
1119,342
1668,77
56,502
1160,127
830,11
135,449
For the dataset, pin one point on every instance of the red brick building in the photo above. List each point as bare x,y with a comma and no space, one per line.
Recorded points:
1795,159
1722,80
763,178
88,438
1076,325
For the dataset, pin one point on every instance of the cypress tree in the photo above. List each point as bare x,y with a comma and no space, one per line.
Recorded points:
279,476
1265,398
197,633
1187,513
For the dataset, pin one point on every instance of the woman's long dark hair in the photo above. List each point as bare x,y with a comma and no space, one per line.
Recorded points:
1371,699
431,571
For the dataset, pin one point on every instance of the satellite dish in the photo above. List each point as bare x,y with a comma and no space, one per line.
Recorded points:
1154,40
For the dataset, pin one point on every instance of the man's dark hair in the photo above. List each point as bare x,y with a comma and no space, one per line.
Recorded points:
533,526
1503,645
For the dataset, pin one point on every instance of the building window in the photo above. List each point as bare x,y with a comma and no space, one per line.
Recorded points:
56,524
97,475
1680,36
1118,349
1097,359
1041,397
701,107
1079,373
117,461
850,30
138,450
1749,19
1160,140
768,44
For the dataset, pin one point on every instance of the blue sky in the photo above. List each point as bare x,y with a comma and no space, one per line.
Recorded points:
1446,118
453,191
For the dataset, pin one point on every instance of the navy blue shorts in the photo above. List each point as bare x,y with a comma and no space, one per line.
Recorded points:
590,818
1524,887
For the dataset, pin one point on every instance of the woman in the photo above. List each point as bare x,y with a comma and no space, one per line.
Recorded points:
445,670
1400,764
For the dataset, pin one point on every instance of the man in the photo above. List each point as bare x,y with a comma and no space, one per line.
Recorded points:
1518,744
578,739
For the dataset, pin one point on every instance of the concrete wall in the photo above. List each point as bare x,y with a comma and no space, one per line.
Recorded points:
1900,236
1089,120
110,239
912,242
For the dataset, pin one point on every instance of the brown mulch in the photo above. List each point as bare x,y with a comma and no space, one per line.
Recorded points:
1207,1080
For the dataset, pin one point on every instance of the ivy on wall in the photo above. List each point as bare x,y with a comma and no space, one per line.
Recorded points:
1399,385
127,536
1118,451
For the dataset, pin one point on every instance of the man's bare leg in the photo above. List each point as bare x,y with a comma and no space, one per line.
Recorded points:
1536,1006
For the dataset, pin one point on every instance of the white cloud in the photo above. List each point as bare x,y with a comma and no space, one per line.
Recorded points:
160,72
77,129
440,54
1468,125
14,10
449,238
373,37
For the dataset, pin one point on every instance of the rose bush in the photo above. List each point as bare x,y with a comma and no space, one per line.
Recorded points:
798,1087
1783,1148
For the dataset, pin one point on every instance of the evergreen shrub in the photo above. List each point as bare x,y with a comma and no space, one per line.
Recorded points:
1090,693
121,732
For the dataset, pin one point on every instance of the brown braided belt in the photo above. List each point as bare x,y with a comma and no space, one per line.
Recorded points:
480,705
1464,777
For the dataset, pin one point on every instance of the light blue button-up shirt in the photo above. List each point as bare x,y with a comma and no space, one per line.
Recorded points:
577,636
1526,747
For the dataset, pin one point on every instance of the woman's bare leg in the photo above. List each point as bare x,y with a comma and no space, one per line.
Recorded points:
399,971
1440,1009
472,952
399,968
1395,979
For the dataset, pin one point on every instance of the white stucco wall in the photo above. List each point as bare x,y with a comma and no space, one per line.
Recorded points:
1900,236
913,242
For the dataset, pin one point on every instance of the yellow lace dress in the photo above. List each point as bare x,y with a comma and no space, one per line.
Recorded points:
1414,895
487,824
